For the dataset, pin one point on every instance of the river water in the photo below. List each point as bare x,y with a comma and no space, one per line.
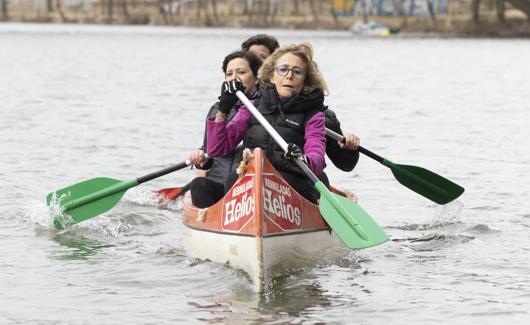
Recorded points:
78,102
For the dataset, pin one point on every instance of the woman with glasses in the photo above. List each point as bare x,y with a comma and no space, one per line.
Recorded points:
343,155
291,98
209,188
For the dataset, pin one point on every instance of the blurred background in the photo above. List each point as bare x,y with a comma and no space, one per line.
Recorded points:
475,17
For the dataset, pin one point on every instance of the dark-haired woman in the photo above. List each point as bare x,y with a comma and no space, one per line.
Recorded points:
205,191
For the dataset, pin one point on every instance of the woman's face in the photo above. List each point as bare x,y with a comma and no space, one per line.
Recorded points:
289,75
239,68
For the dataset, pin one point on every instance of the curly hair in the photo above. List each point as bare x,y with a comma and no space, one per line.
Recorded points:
313,79
268,41
254,61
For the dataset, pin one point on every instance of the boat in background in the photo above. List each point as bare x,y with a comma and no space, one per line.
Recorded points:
370,29
261,226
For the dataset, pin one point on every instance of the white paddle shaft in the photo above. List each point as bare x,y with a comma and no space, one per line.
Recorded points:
274,134
270,129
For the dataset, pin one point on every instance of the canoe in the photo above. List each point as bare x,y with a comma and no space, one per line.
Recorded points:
261,226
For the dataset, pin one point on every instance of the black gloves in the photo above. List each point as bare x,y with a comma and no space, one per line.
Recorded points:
228,96
294,151
233,86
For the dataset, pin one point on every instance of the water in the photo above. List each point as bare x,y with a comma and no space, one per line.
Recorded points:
84,101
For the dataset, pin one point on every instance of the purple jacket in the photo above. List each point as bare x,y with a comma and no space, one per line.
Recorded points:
223,137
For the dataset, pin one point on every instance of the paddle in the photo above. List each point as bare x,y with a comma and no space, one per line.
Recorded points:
172,193
92,197
349,221
422,181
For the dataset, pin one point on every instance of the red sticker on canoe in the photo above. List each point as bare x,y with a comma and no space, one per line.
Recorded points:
239,204
281,204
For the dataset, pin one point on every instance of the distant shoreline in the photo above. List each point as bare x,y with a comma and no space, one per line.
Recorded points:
445,26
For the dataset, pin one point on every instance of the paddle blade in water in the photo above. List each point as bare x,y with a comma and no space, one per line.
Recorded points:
87,199
351,223
426,183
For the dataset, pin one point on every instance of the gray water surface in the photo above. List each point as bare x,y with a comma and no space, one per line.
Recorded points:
78,102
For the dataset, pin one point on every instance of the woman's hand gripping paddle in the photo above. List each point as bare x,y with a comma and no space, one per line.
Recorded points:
422,181
95,196
349,221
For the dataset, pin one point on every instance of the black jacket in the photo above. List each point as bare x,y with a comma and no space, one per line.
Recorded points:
289,118
343,159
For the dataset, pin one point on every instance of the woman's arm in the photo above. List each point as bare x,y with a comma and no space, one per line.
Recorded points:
315,143
223,137
214,109
343,158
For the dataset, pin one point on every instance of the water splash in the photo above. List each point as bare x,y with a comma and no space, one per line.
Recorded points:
445,216
56,211
141,197
38,213
448,214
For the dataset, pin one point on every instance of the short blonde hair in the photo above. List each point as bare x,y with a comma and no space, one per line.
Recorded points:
313,78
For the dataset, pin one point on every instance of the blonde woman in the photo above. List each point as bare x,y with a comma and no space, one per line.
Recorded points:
291,98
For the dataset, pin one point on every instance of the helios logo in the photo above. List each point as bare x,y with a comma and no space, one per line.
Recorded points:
239,204
281,204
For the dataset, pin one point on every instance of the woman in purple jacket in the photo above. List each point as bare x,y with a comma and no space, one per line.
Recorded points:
205,191
291,98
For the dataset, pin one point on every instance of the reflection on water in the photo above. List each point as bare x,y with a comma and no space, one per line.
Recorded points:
289,299
76,248
293,297
435,242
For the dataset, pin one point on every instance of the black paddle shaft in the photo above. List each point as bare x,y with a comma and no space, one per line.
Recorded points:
339,137
371,154
315,179
162,172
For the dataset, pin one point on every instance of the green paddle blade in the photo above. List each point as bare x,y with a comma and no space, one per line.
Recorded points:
426,183
350,222
86,199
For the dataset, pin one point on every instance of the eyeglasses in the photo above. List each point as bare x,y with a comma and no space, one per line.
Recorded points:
284,69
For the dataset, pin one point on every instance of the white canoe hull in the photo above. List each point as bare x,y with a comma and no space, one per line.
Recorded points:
262,258
261,226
